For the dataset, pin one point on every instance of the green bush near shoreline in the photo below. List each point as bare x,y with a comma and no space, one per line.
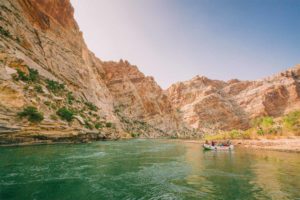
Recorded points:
291,122
268,127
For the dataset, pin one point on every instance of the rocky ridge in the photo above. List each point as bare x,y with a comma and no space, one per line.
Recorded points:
211,105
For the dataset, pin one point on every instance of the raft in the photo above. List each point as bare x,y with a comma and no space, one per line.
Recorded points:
217,148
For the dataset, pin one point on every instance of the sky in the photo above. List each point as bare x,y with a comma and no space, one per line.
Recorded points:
175,40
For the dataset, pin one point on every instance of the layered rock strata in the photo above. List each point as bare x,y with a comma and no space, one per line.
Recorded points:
211,104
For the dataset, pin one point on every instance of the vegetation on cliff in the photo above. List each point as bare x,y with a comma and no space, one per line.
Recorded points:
27,74
54,86
4,32
65,114
56,101
32,114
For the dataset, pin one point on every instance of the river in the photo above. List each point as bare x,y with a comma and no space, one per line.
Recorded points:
146,169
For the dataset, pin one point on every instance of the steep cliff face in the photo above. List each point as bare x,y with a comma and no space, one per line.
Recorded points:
42,35
139,97
209,104
45,13
61,11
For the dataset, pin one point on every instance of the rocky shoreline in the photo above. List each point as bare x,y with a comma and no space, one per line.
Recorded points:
21,139
283,145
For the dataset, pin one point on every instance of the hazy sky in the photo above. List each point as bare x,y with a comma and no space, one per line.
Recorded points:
175,40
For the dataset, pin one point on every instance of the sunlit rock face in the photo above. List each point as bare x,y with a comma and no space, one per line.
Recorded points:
211,104
43,35
138,96
40,12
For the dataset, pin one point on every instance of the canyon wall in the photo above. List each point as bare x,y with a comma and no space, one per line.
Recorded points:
42,35
210,105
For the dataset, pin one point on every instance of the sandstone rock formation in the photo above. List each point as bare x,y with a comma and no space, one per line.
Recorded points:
42,35
139,97
210,104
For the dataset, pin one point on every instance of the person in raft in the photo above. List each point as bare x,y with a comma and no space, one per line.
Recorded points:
227,144
213,143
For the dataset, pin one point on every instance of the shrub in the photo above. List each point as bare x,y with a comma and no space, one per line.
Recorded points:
234,134
54,86
267,122
246,134
134,135
174,137
32,114
264,125
38,89
33,75
4,32
21,76
263,121
91,106
292,120
70,98
88,124
65,114
274,130
98,125
260,131
108,124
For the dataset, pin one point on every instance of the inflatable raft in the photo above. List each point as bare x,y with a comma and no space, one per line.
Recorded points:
217,148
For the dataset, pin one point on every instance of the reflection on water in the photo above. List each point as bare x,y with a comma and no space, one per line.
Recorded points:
277,174
146,169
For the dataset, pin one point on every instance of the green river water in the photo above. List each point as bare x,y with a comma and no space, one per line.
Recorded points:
146,169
